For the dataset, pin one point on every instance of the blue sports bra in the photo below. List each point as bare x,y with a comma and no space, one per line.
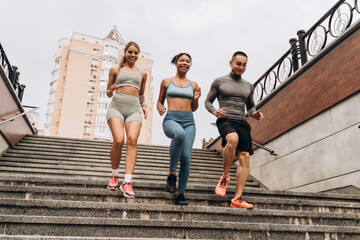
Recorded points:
180,92
128,79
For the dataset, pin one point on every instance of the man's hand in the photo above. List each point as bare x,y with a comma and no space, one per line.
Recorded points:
220,113
258,115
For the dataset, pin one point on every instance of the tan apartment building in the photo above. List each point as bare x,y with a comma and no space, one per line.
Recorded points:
77,101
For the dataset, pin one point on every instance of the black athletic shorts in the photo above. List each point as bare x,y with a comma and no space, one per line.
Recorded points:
241,127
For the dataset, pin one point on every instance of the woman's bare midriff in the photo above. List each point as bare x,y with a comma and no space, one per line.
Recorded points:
128,90
179,104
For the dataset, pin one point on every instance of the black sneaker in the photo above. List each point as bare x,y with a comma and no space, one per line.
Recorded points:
171,183
180,200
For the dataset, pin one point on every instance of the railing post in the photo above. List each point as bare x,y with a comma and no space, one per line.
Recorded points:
21,91
14,76
303,56
294,54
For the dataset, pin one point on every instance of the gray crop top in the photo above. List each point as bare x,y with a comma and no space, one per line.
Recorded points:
181,92
128,79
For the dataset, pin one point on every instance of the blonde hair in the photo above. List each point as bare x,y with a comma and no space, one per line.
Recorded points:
122,61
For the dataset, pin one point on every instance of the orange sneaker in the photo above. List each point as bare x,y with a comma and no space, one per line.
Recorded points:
240,203
127,189
113,183
220,189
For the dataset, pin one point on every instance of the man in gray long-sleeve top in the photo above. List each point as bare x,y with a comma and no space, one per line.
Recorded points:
233,94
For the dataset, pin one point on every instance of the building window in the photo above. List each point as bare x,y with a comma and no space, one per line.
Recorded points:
57,62
55,75
53,86
88,118
103,84
93,73
90,106
102,105
91,95
94,63
96,51
50,108
87,130
105,74
52,97
92,83
102,94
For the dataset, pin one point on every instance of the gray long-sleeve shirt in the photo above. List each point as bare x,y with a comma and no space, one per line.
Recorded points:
233,94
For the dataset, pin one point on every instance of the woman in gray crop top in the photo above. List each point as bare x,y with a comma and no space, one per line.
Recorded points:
182,99
124,112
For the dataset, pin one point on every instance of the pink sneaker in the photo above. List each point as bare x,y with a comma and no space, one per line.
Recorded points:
240,203
220,189
113,183
127,189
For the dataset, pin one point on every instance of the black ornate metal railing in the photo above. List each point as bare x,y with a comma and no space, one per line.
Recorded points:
12,73
308,45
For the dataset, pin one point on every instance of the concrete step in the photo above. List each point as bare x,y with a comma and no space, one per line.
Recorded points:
102,148
141,163
167,199
84,154
113,227
38,237
103,160
139,175
91,143
63,208
153,193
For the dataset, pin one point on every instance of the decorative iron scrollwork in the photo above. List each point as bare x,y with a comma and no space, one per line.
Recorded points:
284,70
317,40
340,19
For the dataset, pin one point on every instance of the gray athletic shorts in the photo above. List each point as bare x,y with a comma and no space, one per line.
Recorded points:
125,106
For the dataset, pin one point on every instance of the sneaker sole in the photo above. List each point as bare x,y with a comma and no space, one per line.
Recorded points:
220,195
169,190
112,188
125,194
236,206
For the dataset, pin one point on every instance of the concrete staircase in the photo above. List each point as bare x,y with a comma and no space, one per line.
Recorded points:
55,188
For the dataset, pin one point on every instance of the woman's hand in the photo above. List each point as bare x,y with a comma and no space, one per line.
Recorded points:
143,107
111,90
161,109
220,113
197,93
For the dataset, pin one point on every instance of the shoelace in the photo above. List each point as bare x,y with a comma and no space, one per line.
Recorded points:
223,183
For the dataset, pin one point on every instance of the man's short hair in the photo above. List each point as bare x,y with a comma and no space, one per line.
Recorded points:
238,53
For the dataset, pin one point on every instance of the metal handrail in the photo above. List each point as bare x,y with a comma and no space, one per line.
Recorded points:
272,152
301,48
19,115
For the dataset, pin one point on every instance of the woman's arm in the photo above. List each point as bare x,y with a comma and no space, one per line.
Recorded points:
197,94
111,86
142,94
162,96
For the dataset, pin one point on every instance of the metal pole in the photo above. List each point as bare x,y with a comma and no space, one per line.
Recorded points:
303,56
294,54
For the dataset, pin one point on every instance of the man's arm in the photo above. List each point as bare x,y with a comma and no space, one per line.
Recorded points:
210,98
250,106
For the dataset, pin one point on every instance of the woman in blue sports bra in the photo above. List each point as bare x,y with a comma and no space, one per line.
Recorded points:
126,86
182,100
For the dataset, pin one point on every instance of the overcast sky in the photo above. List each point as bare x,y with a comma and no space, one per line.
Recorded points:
210,30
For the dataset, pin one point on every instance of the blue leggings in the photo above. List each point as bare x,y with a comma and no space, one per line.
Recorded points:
180,127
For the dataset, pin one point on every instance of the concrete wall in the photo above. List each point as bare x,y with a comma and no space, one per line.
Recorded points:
3,144
320,154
